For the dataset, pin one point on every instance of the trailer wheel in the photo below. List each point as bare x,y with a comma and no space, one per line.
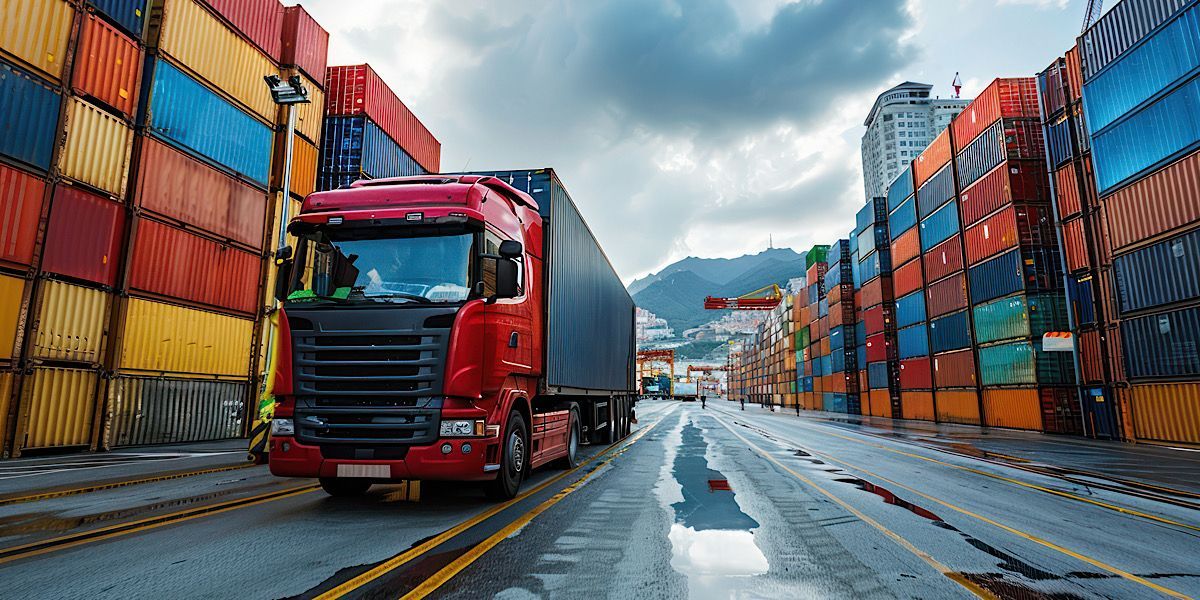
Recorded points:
345,488
514,460
571,460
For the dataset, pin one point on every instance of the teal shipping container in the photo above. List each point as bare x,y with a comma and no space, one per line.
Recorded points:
1020,317
1024,363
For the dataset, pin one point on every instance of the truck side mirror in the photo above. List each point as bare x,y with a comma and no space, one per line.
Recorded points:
283,279
510,249
506,278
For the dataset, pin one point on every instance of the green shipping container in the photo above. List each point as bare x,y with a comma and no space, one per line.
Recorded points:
1019,317
802,338
1024,362
817,254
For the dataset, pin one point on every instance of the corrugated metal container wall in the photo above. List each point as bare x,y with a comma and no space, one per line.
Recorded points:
1017,409
903,218
1158,203
1167,412
12,294
917,405
1058,142
185,112
357,90
1019,317
997,277
1122,27
29,117
210,49
950,332
958,407
1067,187
999,232
907,278
1121,152
1005,140
162,337
954,369
60,405
129,14
37,32
1020,363
108,66
179,187
916,374
305,44
910,309
935,192
310,117
7,378
354,146
944,259
1144,71
260,20
21,197
932,158
1165,273
1050,88
913,341
877,290
171,262
71,323
1075,245
97,148
877,263
1162,345
939,226
878,375
877,348
906,247
947,295
1003,98
305,159
145,410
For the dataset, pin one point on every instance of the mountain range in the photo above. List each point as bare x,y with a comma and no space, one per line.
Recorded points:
676,293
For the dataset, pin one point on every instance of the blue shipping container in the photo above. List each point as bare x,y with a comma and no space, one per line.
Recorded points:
940,226
878,263
951,332
1028,269
879,376
834,402
872,238
981,155
1170,54
900,188
837,360
913,341
1165,273
827,365
1082,303
1168,127
873,212
188,115
902,219
861,353
129,14
1058,142
935,192
860,333
910,309
1162,345
837,337
855,270
1121,28
29,110
357,147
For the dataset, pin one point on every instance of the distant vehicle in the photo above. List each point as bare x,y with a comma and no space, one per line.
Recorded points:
447,327
686,392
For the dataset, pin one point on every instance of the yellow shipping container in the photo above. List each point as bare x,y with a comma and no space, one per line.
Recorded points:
165,338
1015,408
1167,412
36,32
72,323
203,44
57,407
305,160
12,294
310,118
958,406
97,148
6,390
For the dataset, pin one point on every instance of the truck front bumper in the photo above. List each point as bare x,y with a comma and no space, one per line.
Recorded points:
291,459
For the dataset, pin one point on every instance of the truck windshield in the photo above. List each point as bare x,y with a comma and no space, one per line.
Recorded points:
372,267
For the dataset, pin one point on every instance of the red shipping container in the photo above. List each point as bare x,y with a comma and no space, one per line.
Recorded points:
1066,184
905,247
879,348
944,259
1004,98
305,43
21,198
916,374
878,291
1156,204
1075,245
1074,73
85,236
1053,100
108,66
992,235
946,296
1014,181
359,90
176,186
1091,349
173,263
907,279
954,369
260,21
878,319
932,158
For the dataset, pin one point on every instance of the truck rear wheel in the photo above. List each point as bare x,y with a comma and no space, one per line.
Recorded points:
345,488
514,460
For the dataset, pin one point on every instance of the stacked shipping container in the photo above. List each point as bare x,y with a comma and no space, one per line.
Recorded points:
841,393
877,312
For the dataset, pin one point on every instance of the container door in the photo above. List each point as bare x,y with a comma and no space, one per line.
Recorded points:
1100,412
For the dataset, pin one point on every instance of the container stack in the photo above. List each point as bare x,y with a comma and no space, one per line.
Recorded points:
801,324
841,395
369,132
1014,279
1140,78
1086,260
907,286
877,315
818,365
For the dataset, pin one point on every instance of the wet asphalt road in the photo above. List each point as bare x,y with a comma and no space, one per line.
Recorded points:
716,503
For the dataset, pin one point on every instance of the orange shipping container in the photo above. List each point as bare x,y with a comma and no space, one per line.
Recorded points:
906,247
21,198
1157,203
1012,408
958,406
1168,412
917,405
1075,245
933,158
1066,185
881,403
1004,98
108,65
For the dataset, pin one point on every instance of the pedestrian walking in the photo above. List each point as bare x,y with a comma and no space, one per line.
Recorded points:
702,400
743,403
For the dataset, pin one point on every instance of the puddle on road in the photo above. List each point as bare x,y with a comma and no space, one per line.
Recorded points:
712,540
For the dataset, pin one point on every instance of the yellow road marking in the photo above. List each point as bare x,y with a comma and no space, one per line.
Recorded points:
1091,561
900,540
96,535
115,484
401,559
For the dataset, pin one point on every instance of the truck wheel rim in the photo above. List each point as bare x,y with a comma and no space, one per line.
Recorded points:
573,443
516,452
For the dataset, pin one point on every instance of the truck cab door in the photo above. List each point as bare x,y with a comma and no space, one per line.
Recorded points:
510,328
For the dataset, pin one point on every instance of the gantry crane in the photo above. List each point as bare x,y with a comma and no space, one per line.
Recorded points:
765,298
647,358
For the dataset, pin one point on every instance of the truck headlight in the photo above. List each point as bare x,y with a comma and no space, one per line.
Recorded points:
462,428
282,427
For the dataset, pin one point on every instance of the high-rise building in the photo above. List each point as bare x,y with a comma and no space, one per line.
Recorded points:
902,122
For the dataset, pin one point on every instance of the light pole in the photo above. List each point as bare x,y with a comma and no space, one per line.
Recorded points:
285,93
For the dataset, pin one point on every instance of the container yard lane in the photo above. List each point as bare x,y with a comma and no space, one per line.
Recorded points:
695,503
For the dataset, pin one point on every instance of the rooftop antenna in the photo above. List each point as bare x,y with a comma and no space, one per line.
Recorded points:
957,83
770,241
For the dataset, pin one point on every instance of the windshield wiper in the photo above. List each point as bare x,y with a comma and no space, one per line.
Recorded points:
402,295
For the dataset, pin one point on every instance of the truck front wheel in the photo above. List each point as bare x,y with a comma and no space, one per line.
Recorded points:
514,459
344,488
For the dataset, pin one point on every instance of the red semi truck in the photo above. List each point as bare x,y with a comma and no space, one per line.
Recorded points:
447,327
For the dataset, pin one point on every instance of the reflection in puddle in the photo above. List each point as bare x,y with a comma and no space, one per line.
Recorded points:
715,553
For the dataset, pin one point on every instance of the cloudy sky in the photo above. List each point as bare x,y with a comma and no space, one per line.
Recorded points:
685,127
